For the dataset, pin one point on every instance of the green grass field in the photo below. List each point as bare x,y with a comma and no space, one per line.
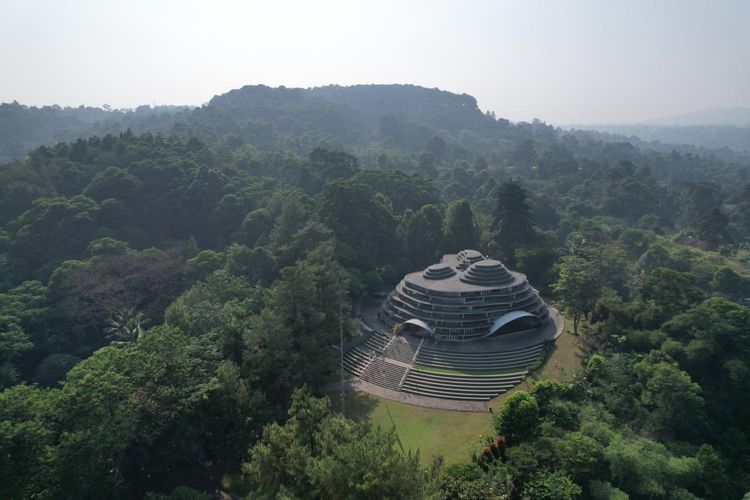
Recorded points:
452,433
433,432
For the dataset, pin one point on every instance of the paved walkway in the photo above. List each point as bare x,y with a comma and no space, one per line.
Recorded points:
552,330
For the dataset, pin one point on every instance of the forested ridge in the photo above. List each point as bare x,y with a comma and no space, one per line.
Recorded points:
170,300
365,118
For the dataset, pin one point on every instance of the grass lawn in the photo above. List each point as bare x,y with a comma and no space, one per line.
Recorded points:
433,432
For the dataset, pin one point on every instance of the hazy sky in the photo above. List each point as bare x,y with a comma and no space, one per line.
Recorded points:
561,61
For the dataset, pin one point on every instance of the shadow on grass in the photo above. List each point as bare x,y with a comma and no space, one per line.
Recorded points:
358,405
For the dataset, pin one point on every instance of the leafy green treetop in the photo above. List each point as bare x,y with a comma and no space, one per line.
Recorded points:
518,420
320,454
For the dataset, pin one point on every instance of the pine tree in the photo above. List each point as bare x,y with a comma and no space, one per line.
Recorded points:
512,226
460,227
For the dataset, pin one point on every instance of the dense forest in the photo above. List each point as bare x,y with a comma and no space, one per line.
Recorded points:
171,290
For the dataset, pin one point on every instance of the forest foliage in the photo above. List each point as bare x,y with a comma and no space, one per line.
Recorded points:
170,303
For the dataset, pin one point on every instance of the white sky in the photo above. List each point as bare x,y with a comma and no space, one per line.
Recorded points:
577,61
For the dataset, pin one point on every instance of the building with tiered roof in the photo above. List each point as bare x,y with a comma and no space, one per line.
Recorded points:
465,297
463,330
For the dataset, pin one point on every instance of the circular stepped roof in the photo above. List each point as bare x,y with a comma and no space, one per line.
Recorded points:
461,304
487,273
468,257
471,255
439,272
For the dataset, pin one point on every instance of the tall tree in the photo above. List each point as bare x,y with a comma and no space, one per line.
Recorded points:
330,165
512,224
13,342
360,219
577,287
713,228
424,234
671,291
460,227
289,343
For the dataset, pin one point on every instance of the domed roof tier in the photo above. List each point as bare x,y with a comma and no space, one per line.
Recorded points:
471,255
487,272
468,257
438,272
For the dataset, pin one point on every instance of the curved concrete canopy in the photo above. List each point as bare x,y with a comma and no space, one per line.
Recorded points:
418,322
508,317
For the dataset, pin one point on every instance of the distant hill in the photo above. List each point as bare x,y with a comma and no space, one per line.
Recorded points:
399,117
701,136
713,128
23,128
734,116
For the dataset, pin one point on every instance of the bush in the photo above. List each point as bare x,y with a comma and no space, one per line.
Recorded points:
53,369
180,493
563,414
518,420
551,486
605,491
545,391
372,282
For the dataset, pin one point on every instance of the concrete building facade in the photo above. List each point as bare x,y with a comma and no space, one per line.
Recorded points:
464,297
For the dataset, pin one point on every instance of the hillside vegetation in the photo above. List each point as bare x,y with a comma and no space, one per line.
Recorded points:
170,299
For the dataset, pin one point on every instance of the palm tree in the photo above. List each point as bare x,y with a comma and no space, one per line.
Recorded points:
397,329
126,327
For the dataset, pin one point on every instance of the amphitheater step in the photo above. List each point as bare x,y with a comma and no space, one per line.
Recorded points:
480,356
444,395
384,374
473,367
466,379
457,385
455,389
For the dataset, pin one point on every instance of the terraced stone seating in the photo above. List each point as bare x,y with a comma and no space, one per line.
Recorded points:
382,360
401,350
356,360
491,360
384,374
465,387
376,342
